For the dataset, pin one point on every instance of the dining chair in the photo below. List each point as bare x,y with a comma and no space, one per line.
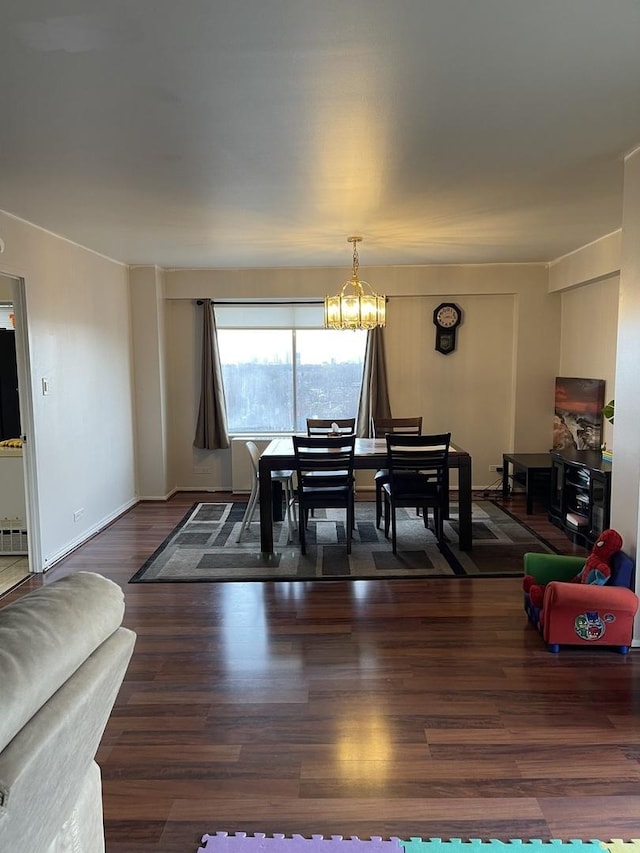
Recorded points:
324,468
382,426
284,477
323,426
418,477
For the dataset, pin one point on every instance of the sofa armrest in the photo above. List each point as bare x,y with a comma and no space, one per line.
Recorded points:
589,597
552,567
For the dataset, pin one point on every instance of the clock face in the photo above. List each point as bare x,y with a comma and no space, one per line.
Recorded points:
447,316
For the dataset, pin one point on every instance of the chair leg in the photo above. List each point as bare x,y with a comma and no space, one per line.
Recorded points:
291,510
393,528
440,523
292,495
378,504
287,500
247,518
386,515
303,515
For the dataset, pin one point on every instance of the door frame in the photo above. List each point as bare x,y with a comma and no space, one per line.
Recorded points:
25,394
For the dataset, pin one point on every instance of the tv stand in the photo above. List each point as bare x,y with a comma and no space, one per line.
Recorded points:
580,499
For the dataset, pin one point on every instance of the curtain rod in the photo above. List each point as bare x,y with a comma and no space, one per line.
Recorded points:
262,302
266,302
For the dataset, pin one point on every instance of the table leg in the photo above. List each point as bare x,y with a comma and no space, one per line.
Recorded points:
505,479
266,507
464,503
528,487
446,510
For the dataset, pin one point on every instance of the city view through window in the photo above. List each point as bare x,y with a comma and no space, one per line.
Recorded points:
274,379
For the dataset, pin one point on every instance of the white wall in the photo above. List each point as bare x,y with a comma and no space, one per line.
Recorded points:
79,339
604,277
495,392
589,336
147,310
626,458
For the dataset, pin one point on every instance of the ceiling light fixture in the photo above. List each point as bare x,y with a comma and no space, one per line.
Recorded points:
354,307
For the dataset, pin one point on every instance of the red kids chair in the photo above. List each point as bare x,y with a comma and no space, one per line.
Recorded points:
578,601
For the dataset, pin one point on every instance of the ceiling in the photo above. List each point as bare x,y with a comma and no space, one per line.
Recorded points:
262,133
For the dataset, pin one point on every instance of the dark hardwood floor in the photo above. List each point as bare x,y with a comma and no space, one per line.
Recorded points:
388,708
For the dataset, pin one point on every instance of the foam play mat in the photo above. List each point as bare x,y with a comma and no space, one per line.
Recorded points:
222,842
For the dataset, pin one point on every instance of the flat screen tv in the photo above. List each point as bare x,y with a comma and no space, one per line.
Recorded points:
577,421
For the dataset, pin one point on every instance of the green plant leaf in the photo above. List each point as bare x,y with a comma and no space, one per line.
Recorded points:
608,411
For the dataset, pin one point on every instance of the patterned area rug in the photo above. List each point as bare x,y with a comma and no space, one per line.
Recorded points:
203,547
260,843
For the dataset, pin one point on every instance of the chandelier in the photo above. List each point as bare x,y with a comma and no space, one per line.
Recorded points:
354,307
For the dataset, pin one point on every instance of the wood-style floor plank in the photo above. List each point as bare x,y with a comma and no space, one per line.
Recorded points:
375,708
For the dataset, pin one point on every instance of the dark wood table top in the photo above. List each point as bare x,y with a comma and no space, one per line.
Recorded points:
529,460
369,452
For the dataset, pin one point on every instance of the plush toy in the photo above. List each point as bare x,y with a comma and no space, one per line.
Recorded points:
596,570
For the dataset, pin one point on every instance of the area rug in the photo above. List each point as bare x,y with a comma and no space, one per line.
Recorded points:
260,843
203,547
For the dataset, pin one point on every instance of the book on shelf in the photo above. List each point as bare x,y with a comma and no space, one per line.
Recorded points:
607,455
576,520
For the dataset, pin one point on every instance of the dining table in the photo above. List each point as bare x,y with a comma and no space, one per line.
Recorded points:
370,453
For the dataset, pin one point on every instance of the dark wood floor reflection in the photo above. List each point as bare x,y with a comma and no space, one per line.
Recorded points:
406,708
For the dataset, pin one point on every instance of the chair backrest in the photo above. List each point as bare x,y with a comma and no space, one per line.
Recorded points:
254,455
318,455
409,426
323,426
411,456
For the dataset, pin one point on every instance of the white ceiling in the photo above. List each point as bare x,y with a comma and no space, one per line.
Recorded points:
217,133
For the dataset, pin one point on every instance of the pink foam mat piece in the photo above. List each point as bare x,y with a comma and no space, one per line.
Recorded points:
221,842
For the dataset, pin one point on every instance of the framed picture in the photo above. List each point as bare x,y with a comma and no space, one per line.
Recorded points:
577,421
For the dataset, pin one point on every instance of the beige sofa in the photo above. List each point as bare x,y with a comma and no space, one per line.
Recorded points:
63,655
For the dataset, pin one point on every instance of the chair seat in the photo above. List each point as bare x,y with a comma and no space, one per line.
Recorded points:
321,493
415,496
285,474
382,474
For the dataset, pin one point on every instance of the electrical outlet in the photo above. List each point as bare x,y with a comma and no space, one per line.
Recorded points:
496,469
77,515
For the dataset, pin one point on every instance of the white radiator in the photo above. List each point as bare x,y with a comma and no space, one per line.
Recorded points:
13,541
241,471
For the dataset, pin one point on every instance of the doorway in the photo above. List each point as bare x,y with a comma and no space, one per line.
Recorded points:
19,530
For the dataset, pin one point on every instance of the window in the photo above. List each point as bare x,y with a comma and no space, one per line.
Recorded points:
275,378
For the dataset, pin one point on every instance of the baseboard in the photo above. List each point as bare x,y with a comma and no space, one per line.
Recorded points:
70,547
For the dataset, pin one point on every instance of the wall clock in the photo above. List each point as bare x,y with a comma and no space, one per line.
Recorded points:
446,318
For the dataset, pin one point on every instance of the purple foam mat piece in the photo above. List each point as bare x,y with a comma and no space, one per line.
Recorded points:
221,842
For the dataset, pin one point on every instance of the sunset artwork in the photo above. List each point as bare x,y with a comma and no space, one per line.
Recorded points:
577,422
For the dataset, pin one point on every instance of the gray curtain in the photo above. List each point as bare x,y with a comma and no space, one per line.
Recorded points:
374,393
211,429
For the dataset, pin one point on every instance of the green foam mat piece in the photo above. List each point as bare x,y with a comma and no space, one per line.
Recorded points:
477,845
